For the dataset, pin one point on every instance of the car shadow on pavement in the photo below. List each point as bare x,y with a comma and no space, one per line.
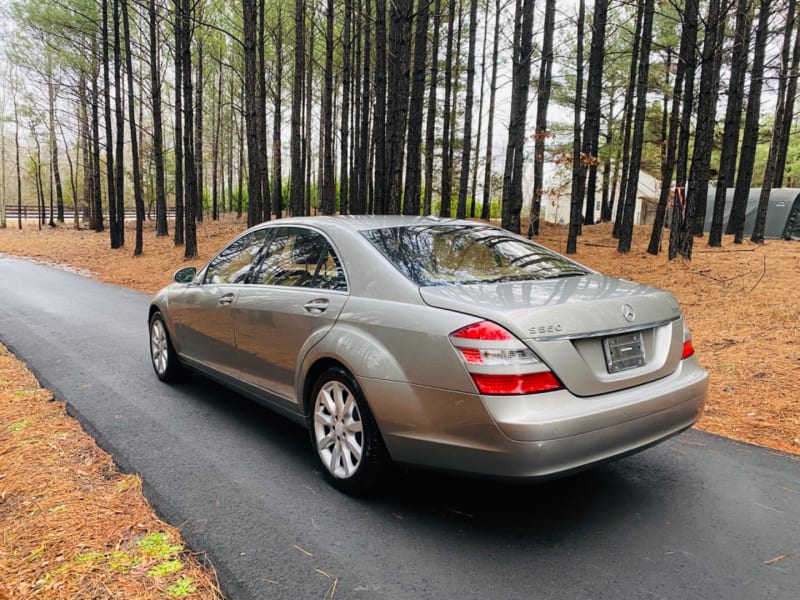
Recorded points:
594,499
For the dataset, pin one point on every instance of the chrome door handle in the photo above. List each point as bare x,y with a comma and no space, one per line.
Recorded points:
317,306
226,300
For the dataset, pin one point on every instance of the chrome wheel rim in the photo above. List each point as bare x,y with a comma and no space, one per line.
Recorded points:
338,429
159,346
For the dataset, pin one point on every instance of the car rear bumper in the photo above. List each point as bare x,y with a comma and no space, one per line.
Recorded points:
532,436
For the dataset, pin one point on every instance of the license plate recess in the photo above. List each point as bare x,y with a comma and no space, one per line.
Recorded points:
624,352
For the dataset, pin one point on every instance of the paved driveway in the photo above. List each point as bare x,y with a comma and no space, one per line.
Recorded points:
696,517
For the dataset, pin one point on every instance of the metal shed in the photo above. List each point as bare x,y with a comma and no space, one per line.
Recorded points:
783,212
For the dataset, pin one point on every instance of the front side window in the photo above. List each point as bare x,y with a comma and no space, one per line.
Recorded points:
299,257
233,263
463,254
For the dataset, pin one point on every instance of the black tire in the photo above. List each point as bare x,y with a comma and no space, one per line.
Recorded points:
162,352
344,434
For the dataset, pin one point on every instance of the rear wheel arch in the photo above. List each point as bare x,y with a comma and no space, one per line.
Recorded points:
312,375
367,355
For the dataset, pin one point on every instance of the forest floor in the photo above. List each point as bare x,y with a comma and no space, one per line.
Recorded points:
740,302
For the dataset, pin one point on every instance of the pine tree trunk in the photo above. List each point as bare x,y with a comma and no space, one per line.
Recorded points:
297,188
119,119
308,97
544,87
97,216
688,41
232,128
86,162
137,176
430,119
265,207
250,16
179,237
19,169
354,177
487,171
328,204
112,202
682,158
51,98
461,208
277,183
697,192
790,96
444,210
521,81
344,142
627,121
637,141
363,155
397,99
190,248
751,124
379,116
733,119
578,168
162,228
242,165
757,236
594,92
476,158
216,166
411,202
198,130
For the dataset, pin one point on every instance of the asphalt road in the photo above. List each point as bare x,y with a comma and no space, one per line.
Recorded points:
696,517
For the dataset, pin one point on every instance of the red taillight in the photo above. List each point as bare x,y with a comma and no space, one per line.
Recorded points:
485,330
688,349
499,363
506,385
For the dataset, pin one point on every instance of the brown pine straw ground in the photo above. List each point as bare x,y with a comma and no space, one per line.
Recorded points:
71,526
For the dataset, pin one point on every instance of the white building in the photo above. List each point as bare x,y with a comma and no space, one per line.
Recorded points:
556,203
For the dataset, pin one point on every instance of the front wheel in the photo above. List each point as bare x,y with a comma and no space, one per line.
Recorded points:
344,433
162,352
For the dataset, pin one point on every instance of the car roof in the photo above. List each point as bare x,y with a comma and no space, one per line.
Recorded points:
367,222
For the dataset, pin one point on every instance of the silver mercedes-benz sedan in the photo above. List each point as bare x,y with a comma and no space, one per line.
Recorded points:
444,343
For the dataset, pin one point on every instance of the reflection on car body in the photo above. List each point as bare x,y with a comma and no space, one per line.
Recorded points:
444,343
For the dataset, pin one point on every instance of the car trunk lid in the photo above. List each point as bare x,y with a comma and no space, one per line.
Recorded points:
597,333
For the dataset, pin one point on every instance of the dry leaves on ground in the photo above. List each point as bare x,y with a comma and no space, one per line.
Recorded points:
71,525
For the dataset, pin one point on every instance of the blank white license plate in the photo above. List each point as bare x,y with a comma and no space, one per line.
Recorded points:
624,352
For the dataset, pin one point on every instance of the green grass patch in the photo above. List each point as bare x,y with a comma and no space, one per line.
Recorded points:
165,568
157,545
182,588
18,426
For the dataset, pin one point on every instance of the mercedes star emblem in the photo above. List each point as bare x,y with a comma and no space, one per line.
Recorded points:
628,313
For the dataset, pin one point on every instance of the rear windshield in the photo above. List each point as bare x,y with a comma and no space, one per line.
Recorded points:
464,254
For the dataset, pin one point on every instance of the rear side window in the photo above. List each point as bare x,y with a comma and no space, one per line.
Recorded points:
299,257
463,254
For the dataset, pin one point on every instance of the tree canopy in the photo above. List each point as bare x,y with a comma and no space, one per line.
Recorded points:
184,110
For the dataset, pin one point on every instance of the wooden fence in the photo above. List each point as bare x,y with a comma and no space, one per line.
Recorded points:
31,212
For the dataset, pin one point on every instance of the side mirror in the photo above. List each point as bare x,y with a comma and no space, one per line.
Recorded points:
185,275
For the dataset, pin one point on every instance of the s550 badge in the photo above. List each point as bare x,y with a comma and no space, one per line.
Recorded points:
545,329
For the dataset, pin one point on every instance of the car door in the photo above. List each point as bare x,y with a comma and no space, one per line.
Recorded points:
296,294
202,314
